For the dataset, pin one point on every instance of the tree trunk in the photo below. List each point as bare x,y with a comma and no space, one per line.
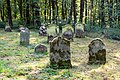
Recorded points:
9,13
27,13
15,12
81,10
102,14
70,14
63,14
85,11
45,12
50,11
20,8
53,9
75,13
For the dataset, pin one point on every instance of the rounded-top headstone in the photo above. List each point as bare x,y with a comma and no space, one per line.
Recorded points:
68,34
97,52
8,29
40,48
60,53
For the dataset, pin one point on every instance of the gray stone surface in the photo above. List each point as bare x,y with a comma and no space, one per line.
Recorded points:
40,48
22,28
97,52
24,37
60,53
68,35
79,33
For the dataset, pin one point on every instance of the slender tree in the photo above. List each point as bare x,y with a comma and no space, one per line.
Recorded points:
9,13
81,10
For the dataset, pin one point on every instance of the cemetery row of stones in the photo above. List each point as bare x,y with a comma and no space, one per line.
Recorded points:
60,56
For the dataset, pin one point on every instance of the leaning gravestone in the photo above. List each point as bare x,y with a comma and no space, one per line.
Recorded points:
40,48
97,52
24,37
8,29
68,35
60,53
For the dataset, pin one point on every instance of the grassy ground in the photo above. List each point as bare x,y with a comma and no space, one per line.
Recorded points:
21,63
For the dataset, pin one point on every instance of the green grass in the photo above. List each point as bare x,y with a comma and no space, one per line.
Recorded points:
21,63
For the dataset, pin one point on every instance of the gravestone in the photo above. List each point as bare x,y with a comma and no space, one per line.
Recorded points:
50,38
8,29
24,37
40,48
42,31
97,52
60,53
22,28
68,34
79,33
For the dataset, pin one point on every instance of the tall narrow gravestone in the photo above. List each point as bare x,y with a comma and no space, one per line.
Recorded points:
97,52
60,53
24,37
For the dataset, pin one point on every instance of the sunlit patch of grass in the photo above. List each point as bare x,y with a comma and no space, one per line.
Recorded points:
67,74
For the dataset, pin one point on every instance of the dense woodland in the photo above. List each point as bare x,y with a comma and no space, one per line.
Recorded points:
102,13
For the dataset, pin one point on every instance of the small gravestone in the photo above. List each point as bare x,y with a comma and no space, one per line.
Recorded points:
24,37
8,29
40,48
97,52
68,35
50,38
79,33
60,53
42,31
22,28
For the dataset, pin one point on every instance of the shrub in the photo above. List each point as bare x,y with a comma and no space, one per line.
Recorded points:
2,25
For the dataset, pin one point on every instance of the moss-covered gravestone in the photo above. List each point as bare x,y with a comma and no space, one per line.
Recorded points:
97,52
24,37
60,53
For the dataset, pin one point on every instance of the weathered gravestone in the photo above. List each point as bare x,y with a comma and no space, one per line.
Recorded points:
8,29
40,48
22,28
68,35
60,53
97,52
79,33
24,37
42,31
50,38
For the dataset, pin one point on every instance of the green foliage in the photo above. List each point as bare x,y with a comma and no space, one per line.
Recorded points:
50,71
4,68
112,33
2,24
67,74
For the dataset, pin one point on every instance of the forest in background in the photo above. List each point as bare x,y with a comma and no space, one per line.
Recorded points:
102,13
